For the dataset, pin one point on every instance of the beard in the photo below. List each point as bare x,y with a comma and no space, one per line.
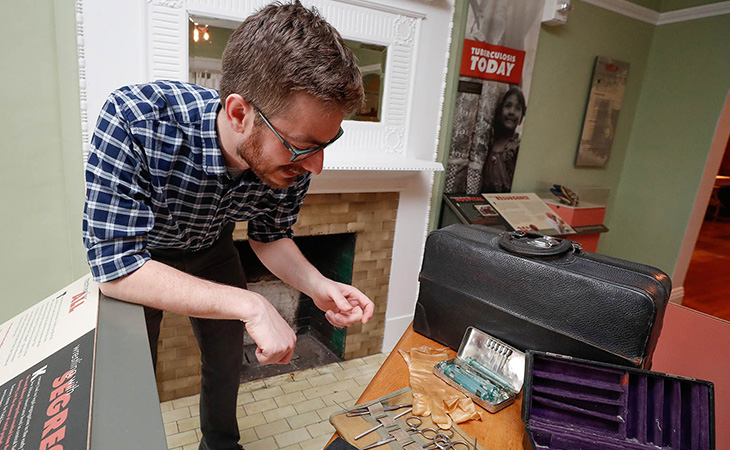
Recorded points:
251,151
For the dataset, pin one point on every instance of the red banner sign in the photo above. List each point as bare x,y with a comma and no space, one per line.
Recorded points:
492,62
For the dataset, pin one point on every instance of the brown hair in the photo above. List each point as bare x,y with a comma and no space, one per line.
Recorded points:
284,48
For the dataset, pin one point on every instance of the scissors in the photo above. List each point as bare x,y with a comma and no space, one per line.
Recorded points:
442,442
440,439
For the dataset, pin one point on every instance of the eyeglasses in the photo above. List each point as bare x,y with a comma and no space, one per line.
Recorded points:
297,155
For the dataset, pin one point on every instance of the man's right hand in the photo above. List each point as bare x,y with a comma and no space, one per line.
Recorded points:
165,288
273,336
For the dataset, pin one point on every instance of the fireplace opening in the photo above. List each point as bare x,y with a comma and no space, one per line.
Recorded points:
318,342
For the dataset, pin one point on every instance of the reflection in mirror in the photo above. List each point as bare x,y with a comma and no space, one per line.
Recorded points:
205,63
205,54
371,61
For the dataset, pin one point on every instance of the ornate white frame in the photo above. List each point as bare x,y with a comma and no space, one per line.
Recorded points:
81,50
167,56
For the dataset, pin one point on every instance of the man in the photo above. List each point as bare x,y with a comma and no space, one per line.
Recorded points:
173,166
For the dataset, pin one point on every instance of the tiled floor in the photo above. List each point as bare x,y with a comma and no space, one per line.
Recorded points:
288,412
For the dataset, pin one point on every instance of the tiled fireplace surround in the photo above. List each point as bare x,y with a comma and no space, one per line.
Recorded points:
372,216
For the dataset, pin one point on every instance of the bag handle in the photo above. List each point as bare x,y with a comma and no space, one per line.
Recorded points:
533,244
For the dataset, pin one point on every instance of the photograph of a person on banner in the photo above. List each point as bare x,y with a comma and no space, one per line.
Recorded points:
499,168
491,101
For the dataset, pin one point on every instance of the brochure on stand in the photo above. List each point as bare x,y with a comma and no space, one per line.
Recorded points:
528,212
474,209
46,371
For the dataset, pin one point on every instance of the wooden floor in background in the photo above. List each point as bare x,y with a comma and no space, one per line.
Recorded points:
707,284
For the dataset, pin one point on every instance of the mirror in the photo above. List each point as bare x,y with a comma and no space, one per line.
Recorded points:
371,61
206,43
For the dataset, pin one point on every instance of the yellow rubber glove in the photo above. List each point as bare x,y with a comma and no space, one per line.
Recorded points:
432,396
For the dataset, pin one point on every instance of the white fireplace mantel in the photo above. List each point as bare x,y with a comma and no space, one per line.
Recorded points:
124,42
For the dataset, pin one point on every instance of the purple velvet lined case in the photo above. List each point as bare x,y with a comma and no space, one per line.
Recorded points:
574,404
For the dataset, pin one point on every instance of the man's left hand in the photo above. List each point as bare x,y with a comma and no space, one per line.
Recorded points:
343,304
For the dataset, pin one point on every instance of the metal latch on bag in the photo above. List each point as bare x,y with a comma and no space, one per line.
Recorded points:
544,242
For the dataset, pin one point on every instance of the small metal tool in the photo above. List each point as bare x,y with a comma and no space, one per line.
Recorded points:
413,423
440,439
364,410
380,425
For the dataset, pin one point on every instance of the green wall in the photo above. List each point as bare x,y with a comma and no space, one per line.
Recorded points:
461,10
41,185
686,84
656,5
559,93
673,5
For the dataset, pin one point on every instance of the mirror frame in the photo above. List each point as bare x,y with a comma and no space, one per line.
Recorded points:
397,29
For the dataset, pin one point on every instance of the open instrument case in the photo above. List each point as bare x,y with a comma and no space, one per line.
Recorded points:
572,404
485,369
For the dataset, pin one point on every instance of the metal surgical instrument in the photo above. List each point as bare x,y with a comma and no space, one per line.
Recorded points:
380,425
365,411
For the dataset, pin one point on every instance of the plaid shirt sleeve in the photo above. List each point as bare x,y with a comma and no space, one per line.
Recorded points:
277,223
116,219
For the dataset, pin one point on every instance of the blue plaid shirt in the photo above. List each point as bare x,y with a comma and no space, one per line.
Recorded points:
156,178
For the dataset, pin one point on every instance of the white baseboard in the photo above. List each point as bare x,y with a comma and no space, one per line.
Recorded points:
394,329
677,295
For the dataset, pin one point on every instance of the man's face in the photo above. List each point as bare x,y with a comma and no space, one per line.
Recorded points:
307,123
511,113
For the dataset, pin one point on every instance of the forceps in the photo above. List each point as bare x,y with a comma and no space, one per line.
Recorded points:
439,439
413,423
378,426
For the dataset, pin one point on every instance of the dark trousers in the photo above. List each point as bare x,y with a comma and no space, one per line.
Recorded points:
220,341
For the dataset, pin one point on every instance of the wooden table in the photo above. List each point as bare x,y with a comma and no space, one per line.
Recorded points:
502,430
691,344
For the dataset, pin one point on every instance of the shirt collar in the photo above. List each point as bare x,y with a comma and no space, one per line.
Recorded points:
213,162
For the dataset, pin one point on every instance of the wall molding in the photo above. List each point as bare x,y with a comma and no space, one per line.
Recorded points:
81,51
698,12
628,9
385,8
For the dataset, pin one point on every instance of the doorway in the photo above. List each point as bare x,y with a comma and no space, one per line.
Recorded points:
703,267
706,286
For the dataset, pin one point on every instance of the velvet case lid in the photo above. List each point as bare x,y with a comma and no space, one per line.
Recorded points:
570,404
